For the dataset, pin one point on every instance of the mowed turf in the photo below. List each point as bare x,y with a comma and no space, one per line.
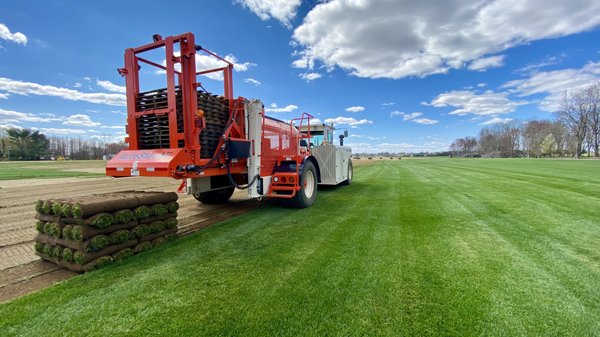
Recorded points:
11,170
434,247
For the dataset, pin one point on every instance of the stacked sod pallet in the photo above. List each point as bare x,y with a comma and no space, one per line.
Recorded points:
89,232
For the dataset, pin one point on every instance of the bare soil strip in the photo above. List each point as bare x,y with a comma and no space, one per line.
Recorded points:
22,272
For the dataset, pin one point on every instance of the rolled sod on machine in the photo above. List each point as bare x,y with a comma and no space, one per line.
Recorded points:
90,232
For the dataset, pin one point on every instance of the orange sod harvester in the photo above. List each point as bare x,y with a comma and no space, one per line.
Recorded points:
218,143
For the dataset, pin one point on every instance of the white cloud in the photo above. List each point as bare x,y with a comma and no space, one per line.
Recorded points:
109,138
310,76
554,83
484,63
396,39
252,81
4,95
80,120
548,61
398,147
9,126
467,102
388,103
5,34
303,63
58,131
347,121
281,10
275,108
108,85
9,116
496,120
206,62
412,115
481,85
426,121
355,108
77,85
122,127
29,88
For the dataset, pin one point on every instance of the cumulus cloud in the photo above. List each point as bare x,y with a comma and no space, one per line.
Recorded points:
485,63
108,85
310,76
118,127
396,39
206,62
413,117
9,126
275,108
553,84
17,37
347,121
29,88
252,81
398,147
488,103
425,121
281,10
59,131
496,120
80,120
9,116
355,108
303,63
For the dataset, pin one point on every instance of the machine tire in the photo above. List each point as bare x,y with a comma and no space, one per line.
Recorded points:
350,173
219,196
308,183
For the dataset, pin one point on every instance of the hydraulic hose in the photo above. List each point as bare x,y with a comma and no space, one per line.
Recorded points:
233,183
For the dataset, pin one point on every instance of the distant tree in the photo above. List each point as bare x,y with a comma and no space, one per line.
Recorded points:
575,112
4,144
26,144
594,118
534,133
548,146
469,146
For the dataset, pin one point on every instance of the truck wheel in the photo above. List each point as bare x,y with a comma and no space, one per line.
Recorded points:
350,173
219,196
308,187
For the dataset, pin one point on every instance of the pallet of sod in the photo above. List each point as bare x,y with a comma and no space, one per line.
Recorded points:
89,232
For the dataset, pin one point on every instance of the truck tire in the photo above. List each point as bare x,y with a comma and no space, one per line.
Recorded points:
219,196
308,188
350,173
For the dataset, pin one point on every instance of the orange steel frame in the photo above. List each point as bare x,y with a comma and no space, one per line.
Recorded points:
169,162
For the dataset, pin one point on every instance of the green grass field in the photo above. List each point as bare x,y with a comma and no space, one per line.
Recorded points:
434,247
11,170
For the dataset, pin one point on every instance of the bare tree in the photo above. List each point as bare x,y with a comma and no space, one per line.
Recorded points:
594,118
4,144
575,112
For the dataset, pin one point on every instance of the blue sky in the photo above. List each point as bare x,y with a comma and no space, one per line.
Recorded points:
401,76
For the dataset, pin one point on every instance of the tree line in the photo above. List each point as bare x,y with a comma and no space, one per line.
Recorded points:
28,144
576,130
